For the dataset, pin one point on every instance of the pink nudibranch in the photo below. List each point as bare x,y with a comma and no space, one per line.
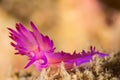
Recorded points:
41,52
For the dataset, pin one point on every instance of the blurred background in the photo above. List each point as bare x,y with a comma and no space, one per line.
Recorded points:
71,24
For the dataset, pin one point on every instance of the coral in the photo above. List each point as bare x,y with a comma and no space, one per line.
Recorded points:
100,69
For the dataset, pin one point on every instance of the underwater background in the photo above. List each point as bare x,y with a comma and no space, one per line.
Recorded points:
71,24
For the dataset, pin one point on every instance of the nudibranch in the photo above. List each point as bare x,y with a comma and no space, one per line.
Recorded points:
40,49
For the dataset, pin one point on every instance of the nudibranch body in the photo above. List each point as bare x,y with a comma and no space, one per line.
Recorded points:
41,52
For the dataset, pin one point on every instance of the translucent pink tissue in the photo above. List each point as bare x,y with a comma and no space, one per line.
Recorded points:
40,49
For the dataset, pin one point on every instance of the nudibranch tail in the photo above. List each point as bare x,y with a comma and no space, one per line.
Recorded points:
75,58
